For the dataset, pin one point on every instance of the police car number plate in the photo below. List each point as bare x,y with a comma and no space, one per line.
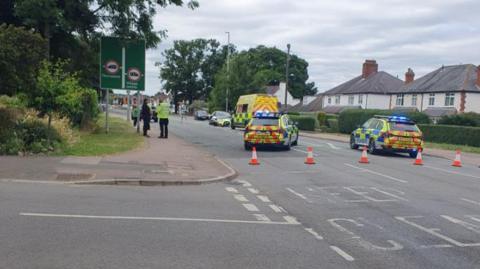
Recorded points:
405,139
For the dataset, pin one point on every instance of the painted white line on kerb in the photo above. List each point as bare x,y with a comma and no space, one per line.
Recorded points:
261,217
451,172
315,234
470,201
151,218
376,173
297,194
251,207
254,191
342,253
241,197
230,189
263,198
277,209
332,146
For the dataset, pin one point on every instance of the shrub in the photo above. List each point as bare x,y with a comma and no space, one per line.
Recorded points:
304,123
333,123
36,136
466,119
80,105
293,113
321,118
459,135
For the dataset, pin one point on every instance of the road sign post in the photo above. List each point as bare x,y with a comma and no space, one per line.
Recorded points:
122,65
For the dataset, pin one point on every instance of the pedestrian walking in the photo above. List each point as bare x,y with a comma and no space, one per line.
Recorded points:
135,114
145,115
183,110
163,110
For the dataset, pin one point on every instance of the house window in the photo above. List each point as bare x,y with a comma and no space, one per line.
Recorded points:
360,99
351,99
337,99
431,99
329,100
449,99
414,100
400,98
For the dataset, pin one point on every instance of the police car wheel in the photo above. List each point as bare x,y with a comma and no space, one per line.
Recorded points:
232,125
371,147
352,143
413,154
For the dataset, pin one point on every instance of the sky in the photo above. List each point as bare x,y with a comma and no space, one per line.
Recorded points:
334,36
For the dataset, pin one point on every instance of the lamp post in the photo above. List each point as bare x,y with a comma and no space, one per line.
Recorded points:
286,75
228,70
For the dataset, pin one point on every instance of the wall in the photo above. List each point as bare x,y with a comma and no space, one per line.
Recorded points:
472,103
281,96
376,101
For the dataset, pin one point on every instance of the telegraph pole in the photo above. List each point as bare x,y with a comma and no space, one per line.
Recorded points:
286,75
228,70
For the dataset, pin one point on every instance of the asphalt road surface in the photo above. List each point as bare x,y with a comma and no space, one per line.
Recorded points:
281,214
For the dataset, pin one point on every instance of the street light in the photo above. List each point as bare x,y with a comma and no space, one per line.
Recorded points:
228,71
286,75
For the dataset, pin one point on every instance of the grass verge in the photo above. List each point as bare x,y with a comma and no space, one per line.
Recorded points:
121,137
452,147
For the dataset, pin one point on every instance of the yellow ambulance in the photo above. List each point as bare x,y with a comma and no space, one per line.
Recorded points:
248,105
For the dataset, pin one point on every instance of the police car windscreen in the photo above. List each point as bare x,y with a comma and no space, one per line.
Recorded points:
264,122
401,126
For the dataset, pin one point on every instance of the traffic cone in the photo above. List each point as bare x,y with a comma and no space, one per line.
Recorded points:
419,160
457,162
364,158
254,160
309,159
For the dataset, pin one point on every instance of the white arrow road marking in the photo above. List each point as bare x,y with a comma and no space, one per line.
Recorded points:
251,207
263,198
342,253
241,197
230,189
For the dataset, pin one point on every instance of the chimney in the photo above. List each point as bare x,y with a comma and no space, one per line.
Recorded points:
409,76
369,67
478,76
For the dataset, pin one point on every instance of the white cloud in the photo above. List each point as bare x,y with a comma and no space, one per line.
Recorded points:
335,37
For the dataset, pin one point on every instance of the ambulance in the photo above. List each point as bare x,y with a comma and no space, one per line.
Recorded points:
248,105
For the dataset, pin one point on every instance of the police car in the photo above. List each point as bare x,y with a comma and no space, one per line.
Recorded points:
273,129
392,133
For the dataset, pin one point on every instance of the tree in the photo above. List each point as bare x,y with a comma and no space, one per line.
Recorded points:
21,53
190,66
251,71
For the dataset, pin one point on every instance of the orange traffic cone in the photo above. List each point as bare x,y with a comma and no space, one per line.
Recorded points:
309,159
364,158
457,162
419,160
254,160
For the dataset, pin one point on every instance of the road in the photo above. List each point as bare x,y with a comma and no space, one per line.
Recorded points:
280,214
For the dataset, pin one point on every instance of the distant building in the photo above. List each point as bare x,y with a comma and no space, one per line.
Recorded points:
279,92
371,90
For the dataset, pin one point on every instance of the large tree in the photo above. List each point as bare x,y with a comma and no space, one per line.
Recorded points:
190,66
251,71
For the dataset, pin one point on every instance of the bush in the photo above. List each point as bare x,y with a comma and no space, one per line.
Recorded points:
333,125
451,134
466,119
37,137
293,113
321,118
304,123
80,105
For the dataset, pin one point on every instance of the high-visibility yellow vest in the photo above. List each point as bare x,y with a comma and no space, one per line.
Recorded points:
163,109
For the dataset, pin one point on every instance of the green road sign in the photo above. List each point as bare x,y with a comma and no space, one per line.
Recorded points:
122,64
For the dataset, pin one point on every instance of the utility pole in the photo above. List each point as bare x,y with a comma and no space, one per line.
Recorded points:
228,70
286,75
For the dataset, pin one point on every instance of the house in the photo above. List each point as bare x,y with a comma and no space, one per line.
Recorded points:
309,104
444,91
371,90
279,92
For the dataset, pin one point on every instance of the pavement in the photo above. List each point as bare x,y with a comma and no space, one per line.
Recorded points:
470,158
158,162
280,214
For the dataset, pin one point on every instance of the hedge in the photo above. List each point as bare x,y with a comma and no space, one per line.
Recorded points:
465,119
321,118
458,135
304,123
333,125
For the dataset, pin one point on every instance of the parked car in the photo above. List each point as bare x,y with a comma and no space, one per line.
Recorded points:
200,115
220,118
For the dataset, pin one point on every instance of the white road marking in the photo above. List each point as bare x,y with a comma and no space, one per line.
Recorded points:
291,219
152,218
342,253
254,191
435,246
276,209
470,201
241,197
230,189
332,146
451,172
315,234
297,194
245,183
261,217
299,150
473,217
434,232
376,173
251,207
263,198
390,194
467,225
364,195
311,144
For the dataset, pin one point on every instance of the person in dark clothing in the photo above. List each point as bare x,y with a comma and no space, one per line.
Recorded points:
145,115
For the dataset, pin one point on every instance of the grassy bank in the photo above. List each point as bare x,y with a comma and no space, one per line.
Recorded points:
452,147
122,137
